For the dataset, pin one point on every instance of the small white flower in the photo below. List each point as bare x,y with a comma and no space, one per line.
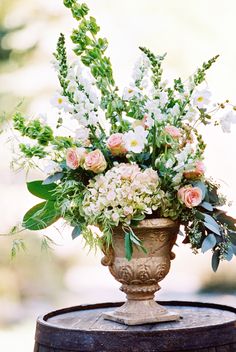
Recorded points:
227,120
175,110
82,134
52,167
163,97
61,102
135,140
191,115
130,92
169,163
201,98
72,86
93,118
115,217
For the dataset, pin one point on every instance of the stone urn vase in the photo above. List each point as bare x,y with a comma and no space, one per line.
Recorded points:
141,275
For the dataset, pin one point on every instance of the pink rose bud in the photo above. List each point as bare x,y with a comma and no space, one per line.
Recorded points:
75,157
173,131
195,173
190,196
95,161
116,144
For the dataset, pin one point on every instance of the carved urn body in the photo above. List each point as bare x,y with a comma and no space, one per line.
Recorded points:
141,275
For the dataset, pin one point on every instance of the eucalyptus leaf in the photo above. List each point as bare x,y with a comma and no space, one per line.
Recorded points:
232,236
208,243
40,190
230,253
209,219
212,228
53,178
215,261
207,206
76,232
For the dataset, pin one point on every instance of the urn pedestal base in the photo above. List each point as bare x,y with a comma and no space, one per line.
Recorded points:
134,312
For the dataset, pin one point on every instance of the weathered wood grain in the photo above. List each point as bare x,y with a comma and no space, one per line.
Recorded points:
203,328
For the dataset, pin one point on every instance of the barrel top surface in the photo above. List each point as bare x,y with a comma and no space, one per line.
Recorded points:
194,315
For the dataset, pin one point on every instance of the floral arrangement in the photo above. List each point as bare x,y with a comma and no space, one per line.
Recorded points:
126,156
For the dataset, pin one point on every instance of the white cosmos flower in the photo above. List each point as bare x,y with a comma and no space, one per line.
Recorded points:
135,140
201,98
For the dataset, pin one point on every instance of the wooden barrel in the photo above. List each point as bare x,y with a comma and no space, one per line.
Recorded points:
202,328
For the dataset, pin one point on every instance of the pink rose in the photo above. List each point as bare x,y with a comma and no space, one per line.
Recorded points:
195,173
173,131
75,157
116,144
95,161
190,196
129,171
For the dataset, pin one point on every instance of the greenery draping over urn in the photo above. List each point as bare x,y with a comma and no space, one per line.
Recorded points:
125,157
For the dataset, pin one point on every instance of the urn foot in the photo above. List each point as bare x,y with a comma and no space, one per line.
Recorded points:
137,312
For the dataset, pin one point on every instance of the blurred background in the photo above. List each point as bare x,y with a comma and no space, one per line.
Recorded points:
38,281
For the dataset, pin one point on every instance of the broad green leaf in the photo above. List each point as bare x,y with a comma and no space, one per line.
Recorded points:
53,178
212,228
208,243
76,232
215,261
38,189
128,247
223,218
234,249
207,206
41,216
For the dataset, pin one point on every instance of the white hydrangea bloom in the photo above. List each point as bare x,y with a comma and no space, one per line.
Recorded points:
125,190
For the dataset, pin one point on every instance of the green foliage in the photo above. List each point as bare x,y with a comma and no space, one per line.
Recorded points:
61,57
31,151
17,246
33,129
41,216
40,190
156,62
200,75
